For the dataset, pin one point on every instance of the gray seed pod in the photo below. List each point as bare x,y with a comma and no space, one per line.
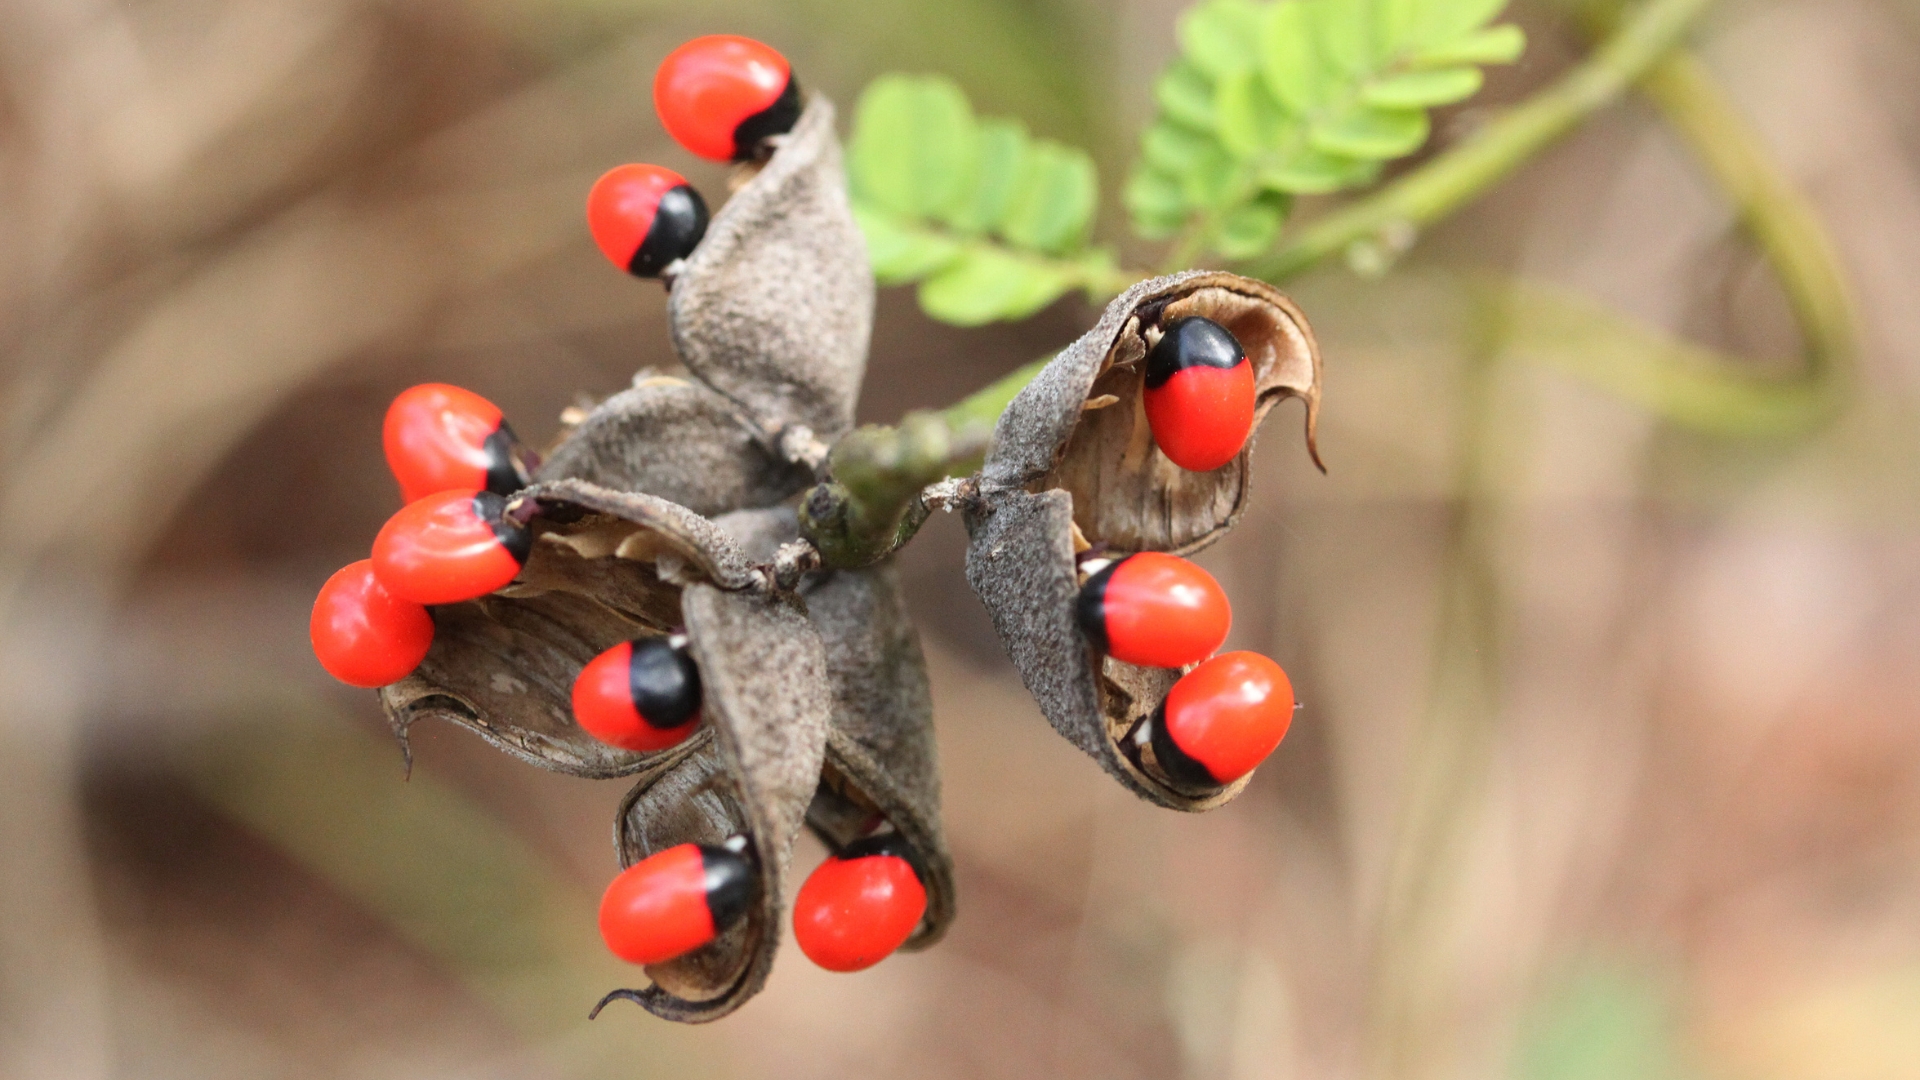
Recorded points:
1074,464
679,440
605,566
775,307
767,703
880,761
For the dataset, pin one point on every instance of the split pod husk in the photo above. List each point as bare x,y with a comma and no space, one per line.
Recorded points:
603,567
1074,465
768,704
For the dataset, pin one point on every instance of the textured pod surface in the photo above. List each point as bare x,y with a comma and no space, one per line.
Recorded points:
768,708
605,566
775,307
880,749
1021,562
1074,464
1081,426
679,440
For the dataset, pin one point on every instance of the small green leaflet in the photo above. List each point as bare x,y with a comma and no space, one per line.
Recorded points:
991,222
1298,97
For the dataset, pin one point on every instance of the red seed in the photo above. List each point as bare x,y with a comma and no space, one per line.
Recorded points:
639,695
440,437
448,547
721,94
363,634
1155,610
644,217
1225,717
676,900
856,908
1200,394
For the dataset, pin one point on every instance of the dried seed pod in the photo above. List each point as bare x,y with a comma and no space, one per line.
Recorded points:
679,440
604,567
775,306
1074,464
880,761
768,709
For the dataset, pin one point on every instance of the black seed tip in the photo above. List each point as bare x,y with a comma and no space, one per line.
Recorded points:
887,843
491,507
1091,608
776,119
505,473
1192,341
678,224
732,882
1181,770
664,683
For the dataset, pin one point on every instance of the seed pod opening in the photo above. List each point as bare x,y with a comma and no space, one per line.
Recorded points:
603,567
1081,425
881,767
768,708
1074,466
775,307
678,440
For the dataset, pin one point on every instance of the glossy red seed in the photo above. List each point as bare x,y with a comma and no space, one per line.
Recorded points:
1201,417
853,913
363,634
441,550
440,437
657,908
707,88
643,217
1156,610
1229,713
605,703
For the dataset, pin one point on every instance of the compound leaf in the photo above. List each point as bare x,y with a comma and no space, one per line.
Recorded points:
990,283
1423,89
914,146
1051,208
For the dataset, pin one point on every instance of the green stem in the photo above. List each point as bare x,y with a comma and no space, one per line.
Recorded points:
873,503
1466,171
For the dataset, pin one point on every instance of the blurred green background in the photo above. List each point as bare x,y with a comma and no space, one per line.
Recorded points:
1609,765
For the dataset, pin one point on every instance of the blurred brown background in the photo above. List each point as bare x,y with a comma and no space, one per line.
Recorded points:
1610,759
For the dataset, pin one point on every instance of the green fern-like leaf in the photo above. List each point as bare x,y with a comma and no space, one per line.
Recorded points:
1299,97
989,221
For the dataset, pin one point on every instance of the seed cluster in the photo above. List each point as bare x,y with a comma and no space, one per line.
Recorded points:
640,601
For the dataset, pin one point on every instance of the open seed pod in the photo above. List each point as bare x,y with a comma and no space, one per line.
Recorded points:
880,764
1074,465
775,307
604,567
679,440
767,705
